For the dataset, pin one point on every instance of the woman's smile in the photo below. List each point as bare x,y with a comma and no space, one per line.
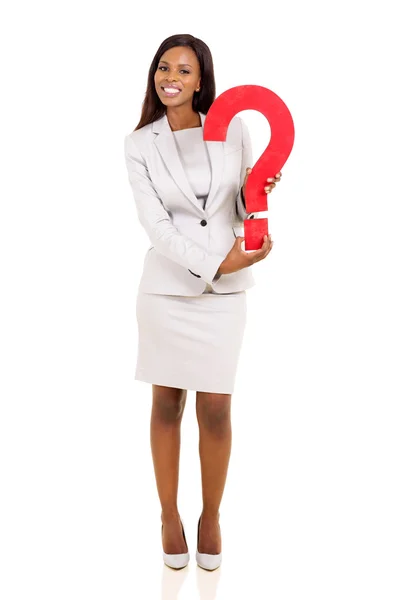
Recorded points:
171,90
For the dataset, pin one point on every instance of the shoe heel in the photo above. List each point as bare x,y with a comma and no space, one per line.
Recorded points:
176,561
210,562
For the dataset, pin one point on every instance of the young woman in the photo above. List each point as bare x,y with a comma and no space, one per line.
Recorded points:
191,303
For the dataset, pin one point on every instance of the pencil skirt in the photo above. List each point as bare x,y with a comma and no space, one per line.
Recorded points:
190,342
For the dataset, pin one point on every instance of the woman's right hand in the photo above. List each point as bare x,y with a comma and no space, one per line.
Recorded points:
238,259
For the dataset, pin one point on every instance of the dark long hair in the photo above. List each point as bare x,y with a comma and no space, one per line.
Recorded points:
152,107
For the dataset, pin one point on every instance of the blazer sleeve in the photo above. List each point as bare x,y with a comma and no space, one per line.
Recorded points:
164,236
247,161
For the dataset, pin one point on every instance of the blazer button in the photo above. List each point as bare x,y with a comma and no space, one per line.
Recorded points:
203,222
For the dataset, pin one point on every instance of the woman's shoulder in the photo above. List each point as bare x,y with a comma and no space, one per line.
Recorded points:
234,132
138,140
140,134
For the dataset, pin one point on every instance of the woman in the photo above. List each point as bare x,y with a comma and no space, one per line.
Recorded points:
191,303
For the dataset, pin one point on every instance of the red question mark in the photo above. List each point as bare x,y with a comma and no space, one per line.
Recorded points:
220,114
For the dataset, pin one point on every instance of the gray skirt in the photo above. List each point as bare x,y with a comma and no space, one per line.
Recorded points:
190,342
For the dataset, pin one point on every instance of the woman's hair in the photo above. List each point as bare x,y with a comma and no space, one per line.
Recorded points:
152,107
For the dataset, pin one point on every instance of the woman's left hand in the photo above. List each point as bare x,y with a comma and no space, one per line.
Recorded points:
272,181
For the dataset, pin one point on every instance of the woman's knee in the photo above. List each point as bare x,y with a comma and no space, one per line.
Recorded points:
168,403
214,411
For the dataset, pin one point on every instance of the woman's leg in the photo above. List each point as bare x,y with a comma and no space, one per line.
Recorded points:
215,440
165,437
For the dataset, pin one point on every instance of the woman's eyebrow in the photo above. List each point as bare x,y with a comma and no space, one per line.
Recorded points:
181,65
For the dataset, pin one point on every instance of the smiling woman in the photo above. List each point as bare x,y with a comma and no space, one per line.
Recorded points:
178,76
191,306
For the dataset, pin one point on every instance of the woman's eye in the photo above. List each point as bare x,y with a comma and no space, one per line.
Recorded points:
184,70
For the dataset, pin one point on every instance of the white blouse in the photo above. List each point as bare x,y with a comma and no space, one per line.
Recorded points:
196,163
193,153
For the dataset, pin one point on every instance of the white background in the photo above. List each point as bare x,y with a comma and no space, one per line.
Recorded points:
310,508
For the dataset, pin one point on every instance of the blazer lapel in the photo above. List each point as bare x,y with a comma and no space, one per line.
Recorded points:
166,145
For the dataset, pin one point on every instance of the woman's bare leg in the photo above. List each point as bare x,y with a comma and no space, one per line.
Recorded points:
165,437
215,441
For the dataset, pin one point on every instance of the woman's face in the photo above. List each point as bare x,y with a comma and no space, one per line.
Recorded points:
178,68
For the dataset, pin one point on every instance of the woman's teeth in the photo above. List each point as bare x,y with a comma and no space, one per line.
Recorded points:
171,91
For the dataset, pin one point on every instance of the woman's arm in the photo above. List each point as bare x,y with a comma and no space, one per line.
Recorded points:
156,221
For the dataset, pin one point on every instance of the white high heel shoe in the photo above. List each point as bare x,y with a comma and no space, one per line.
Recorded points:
176,561
207,561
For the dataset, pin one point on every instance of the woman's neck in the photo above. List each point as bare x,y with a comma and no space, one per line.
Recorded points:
179,119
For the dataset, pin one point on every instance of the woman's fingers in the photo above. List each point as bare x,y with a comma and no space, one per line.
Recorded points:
266,247
248,171
268,189
262,252
276,178
271,180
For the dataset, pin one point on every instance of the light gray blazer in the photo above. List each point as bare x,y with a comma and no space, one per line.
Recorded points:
188,242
